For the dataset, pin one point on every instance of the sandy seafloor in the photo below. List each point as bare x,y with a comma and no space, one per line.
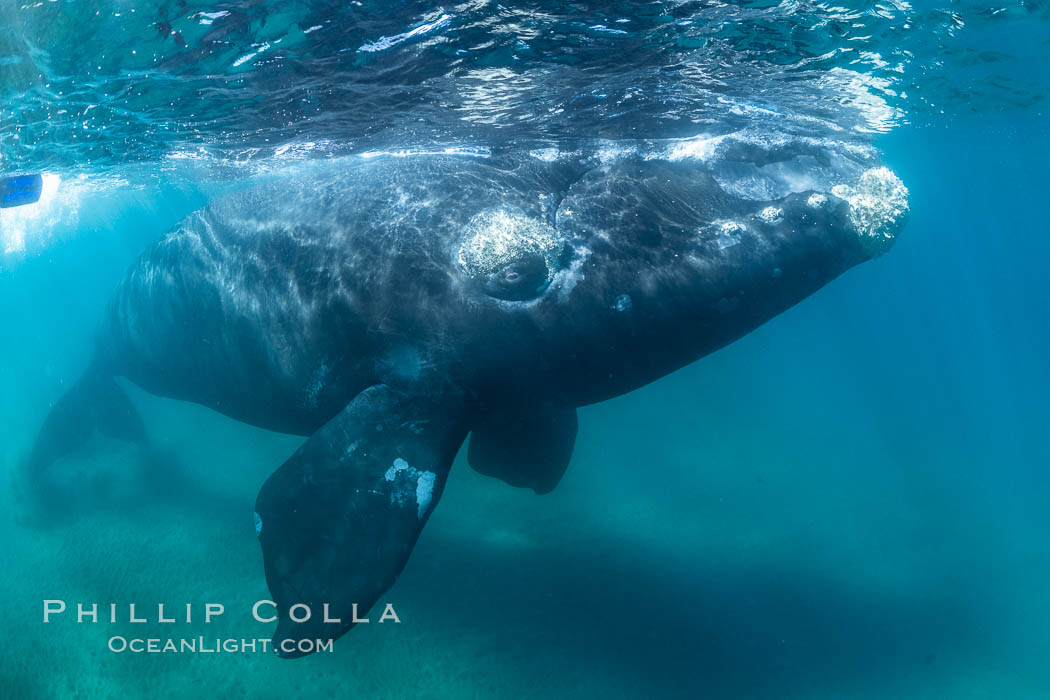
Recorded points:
851,502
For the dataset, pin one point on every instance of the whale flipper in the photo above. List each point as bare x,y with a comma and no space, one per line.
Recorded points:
529,448
338,520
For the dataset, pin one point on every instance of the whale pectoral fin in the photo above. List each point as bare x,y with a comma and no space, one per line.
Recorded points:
338,520
529,448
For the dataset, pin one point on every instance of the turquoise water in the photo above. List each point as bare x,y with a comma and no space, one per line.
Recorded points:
849,502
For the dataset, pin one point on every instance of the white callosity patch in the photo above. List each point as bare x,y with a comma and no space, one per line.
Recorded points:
728,233
771,215
817,200
416,482
498,237
258,524
878,206
729,228
399,465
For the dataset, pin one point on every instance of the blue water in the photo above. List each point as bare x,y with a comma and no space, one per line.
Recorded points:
849,502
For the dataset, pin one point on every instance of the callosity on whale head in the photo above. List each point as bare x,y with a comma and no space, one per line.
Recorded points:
512,256
878,208
648,262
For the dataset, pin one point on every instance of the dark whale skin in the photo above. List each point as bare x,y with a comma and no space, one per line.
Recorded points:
387,307
278,305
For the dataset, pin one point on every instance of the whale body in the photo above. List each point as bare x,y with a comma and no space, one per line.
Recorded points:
388,307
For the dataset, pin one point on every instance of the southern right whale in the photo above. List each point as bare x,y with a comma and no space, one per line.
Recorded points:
387,307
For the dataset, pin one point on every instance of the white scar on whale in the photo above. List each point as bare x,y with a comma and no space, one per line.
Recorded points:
424,481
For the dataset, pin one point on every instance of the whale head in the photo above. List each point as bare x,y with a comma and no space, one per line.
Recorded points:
651,260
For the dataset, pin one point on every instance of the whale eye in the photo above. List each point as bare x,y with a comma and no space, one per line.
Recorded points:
509,255
519,280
